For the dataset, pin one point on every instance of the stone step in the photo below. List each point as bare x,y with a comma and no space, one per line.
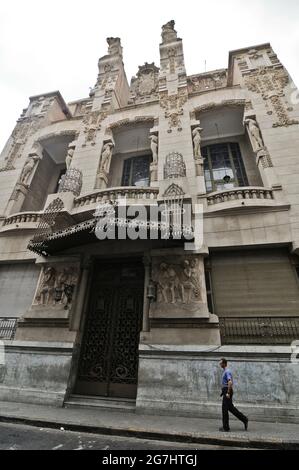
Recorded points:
79,401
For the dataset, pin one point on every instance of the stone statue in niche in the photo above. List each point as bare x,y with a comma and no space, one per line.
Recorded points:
106,157
196,134
154,147
255,134
69,157
168,32
30,163
57,286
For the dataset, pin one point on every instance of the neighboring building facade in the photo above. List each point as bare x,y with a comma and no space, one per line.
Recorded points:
143,323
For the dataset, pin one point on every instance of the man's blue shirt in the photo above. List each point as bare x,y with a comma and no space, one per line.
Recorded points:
227,375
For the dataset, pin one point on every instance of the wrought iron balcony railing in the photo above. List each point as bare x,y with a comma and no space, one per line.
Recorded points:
8,328
261,330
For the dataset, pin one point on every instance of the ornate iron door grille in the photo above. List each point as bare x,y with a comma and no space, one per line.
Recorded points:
109,354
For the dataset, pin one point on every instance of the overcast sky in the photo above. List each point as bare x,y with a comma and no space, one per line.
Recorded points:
47,45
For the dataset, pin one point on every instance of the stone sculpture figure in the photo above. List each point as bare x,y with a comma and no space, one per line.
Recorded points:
255,134
168,32
47,286
69,157
196,133
28,168
154,147
114,46
168,283
106,157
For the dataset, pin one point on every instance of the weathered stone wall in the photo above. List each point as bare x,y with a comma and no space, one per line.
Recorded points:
35,372
187,381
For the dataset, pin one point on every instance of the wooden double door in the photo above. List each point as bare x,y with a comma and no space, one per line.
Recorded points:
108,364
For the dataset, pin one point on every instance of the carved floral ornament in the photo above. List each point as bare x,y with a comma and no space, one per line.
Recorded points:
270,83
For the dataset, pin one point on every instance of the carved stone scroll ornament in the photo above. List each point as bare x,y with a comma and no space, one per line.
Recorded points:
270,83
57,286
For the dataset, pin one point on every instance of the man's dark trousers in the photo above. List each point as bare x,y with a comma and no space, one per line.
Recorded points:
227,405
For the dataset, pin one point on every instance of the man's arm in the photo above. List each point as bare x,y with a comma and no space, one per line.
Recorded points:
230,387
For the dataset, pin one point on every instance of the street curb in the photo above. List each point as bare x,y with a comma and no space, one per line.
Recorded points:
229,440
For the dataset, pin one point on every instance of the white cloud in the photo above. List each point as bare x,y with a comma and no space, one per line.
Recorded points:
49,45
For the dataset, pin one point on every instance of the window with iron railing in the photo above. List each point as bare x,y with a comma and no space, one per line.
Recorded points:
223,167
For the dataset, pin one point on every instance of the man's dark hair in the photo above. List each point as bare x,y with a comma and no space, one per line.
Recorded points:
224,361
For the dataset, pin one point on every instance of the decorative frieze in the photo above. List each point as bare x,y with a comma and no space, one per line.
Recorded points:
207,81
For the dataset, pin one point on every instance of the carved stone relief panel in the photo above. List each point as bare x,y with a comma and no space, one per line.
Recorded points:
56,285
180,287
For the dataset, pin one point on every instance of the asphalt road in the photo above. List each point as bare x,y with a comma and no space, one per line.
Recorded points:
23,437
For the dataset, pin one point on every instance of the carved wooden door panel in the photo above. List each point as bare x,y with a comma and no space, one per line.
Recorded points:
108,363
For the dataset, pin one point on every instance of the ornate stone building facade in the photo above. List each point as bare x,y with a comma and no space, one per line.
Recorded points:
143,323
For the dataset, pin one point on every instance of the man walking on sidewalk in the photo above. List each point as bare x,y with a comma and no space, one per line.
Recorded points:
227,401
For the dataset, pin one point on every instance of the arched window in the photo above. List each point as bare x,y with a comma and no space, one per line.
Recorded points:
223,167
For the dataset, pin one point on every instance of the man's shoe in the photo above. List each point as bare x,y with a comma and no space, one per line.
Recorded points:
224,430
246,424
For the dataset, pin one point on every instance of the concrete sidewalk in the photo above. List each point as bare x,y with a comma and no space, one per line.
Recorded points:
167,428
